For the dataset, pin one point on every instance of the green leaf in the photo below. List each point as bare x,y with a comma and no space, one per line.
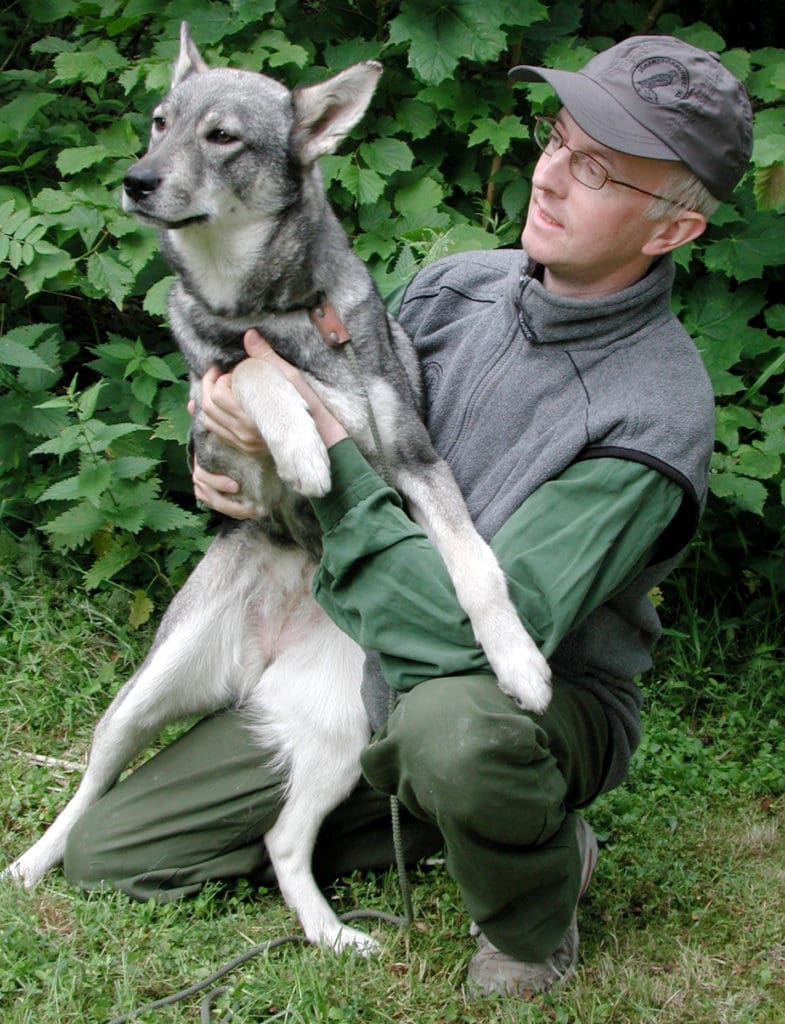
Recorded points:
117,557
467,237
773,418
16,350
88,400
63,490
164,516
751,461
498,133
93,64
71,161
159,369
775,318
366,185
747,495
155,302
387,155
515,198
737,62
68,440
770,187
74,526
422,195
351,51
416,118
718,321
439,35
130,467
280,51
17,115
702,36
103,435
110,277
745,254
94,479
774,443
47,267
144,389
729,420
141,607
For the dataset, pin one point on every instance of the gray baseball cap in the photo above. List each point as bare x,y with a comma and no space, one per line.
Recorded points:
659,97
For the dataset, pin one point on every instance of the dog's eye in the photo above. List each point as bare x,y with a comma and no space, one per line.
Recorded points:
159,124
220,136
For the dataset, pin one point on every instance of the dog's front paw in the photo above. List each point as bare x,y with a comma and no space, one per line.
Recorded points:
23,871
351,938
304,467
525,677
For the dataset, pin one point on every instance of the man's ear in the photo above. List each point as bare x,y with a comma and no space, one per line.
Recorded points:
670,234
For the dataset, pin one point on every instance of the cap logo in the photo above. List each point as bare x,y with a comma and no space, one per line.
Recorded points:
660,80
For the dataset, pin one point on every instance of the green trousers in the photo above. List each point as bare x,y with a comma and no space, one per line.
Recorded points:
492,786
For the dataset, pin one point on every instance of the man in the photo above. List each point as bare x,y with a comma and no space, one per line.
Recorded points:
578,420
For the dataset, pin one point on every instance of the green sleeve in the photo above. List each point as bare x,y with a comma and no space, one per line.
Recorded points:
565,550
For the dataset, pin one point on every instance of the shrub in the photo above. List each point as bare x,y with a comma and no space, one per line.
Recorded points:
93,400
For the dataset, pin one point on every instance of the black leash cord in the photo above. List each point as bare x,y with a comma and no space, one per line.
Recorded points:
233,964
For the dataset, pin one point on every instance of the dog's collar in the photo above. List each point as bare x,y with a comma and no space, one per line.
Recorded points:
329,324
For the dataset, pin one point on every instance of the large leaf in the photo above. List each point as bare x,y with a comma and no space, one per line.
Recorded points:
439,35
745,254
110,277
718,321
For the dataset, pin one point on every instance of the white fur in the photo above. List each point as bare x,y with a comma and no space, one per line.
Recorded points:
245,630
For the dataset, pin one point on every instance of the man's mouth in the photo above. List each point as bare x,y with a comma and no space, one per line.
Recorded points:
548,220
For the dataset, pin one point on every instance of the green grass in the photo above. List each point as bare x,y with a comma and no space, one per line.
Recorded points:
684,922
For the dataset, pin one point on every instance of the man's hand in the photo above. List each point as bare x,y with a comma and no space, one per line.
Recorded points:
224,417
219,493
330,430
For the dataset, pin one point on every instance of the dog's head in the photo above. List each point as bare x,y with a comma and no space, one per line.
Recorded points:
236,144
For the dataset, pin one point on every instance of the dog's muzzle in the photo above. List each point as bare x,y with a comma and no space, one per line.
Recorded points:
141,182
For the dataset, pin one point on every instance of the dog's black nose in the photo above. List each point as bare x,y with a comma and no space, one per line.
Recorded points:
140,182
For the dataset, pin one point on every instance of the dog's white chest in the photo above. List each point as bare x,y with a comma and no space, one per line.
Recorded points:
219,262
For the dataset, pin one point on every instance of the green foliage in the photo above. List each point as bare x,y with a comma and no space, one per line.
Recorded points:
93,399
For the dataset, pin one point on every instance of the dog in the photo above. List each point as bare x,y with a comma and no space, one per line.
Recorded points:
231,182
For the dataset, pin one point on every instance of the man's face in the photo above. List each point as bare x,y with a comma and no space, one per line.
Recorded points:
590,242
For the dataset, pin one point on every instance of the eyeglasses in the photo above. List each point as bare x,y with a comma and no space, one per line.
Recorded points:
583,168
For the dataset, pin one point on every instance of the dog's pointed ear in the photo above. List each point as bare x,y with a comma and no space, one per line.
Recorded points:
189,60
325,113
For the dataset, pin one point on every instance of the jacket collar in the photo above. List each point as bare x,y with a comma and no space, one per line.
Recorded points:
546,318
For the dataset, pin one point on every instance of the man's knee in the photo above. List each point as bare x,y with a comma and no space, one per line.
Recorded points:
458,748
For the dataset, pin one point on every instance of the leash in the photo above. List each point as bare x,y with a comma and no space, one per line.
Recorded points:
205,1009
330,327
334,333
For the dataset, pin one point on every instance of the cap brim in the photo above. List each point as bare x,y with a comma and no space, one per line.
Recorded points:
598,113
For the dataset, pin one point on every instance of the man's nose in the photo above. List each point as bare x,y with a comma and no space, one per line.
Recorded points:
552,172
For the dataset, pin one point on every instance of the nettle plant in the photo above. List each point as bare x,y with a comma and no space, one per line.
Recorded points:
93,403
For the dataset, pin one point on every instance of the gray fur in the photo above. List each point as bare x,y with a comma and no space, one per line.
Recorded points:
232,183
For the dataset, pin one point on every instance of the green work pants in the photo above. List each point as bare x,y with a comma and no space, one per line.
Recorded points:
492,785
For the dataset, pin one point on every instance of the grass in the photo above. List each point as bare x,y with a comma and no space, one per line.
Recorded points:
684,922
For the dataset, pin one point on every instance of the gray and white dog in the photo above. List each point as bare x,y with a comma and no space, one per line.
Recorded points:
231,182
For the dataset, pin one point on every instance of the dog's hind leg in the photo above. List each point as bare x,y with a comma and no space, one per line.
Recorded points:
314,716
185,672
